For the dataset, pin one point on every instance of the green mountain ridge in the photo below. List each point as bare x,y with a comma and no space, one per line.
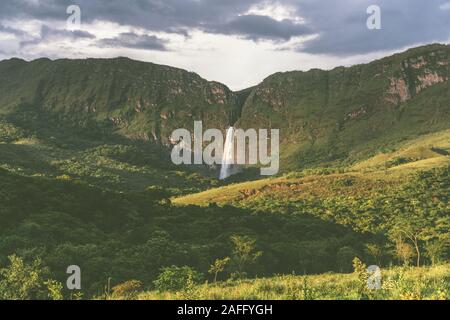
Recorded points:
325,117
141,100
340,114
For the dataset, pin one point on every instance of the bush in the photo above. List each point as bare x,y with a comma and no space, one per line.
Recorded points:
176,278
22,281
127,290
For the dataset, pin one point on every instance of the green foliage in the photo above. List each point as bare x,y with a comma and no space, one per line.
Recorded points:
9,132
85,178
218,267
404,251
346,114
127,290
55,289
376,252
128,236
360,269
22,281
344,258
397,284
436,249
189,291
176,279
244,254
157,193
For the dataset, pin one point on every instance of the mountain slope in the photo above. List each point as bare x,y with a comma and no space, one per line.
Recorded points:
141,100
348,113
85,174
326,118
374,174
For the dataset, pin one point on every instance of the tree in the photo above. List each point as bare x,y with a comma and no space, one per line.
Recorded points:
218,266
422,215
413,227
437,239
360,269
435,250
21,281
404,251
244,253
375,251
176,278
344,258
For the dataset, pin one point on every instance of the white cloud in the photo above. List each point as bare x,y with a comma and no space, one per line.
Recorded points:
445,6
7,36
276,11
237,62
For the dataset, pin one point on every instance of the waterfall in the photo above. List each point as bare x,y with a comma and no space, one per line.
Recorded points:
228,155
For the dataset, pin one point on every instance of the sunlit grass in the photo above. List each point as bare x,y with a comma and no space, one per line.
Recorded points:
398,284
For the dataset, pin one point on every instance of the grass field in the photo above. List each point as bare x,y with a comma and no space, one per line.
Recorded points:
398,283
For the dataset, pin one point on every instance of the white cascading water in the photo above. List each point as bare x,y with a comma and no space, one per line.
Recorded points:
228,155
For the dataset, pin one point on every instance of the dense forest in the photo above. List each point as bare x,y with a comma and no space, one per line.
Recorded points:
124,236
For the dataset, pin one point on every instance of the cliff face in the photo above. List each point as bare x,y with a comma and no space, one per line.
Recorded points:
141,100
332,115
323,115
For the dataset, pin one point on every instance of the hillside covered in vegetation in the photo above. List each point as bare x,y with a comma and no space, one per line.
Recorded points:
86,179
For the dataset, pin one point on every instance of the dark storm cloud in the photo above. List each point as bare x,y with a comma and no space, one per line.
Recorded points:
13,31
48,33
173,16
135,41
342,28
339,24
257,27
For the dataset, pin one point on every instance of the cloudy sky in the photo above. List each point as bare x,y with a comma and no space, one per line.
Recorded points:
237,42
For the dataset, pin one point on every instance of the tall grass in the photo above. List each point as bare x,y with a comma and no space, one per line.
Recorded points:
399,283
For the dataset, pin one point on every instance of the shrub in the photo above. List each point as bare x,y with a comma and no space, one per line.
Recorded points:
55,290
176,278
22,281
127,290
